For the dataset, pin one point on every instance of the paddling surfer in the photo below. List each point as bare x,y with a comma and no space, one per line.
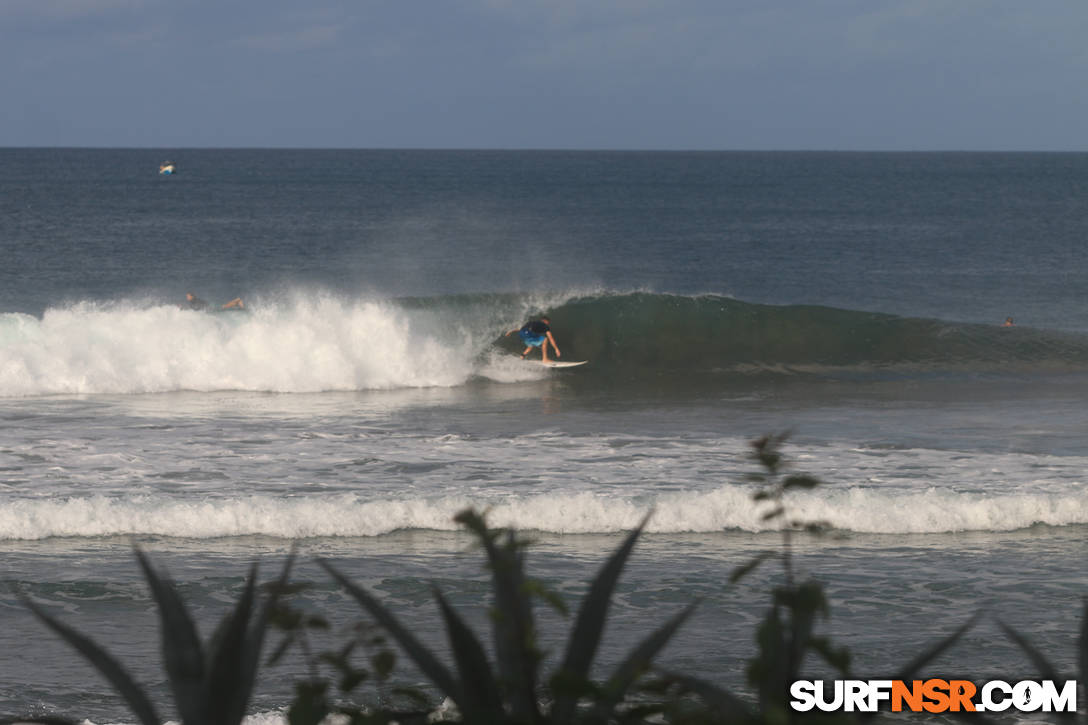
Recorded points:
537,333
192,302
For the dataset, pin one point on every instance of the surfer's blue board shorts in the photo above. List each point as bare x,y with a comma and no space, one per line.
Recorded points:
530,339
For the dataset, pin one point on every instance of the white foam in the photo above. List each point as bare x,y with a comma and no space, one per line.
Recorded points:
504,368
304,344
296,343
350,515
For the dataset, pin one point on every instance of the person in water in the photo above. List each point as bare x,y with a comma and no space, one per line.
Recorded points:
1008,322
537,333
192,302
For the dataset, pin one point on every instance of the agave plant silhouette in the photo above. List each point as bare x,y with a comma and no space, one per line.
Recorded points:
787,635
1043,665
510,690
211,683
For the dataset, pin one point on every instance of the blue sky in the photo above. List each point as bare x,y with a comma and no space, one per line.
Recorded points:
627,74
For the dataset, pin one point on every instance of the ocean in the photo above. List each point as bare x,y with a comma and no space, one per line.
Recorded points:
368,392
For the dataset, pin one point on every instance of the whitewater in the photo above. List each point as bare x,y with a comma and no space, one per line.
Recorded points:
368,392
306,345
857,509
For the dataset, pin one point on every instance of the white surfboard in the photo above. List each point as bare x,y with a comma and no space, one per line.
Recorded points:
559,363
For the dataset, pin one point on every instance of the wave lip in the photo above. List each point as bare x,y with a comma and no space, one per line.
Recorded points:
862,510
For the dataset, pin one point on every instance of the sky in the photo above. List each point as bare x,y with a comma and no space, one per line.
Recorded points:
1002,75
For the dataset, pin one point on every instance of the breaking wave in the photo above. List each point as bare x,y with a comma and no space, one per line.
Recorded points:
324,343
863,510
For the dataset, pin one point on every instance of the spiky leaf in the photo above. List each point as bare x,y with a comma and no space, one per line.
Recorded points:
423,657
912,668
724,705
590,623
514,633
481,692
225,652
638,661
183,655
249,658
1042,664
104,662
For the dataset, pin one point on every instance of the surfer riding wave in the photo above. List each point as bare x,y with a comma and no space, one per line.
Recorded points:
537,333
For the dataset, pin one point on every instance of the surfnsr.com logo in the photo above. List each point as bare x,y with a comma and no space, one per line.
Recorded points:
933,695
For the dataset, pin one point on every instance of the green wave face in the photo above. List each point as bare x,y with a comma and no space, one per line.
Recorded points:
655,332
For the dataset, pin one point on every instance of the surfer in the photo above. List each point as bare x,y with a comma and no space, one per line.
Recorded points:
192,302
537,333
1008,322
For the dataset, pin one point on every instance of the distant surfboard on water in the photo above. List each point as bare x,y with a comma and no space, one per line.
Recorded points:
558,363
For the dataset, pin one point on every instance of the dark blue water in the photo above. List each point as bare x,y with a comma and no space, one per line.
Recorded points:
367,393
966,237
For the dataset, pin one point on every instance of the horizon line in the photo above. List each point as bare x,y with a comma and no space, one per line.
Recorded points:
529,149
